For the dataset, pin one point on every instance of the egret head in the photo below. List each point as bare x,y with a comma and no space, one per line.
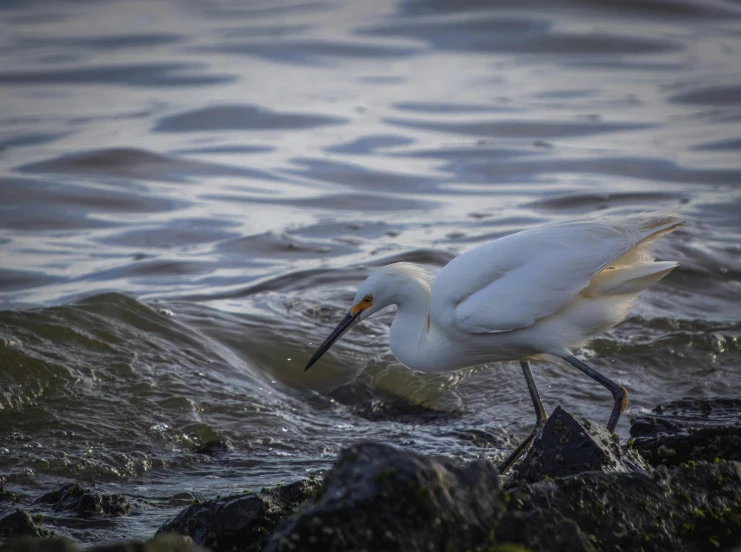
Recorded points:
388,285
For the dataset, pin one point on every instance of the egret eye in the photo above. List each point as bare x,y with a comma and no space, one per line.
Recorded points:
367,299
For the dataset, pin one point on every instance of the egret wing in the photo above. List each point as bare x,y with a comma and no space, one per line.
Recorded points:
511,282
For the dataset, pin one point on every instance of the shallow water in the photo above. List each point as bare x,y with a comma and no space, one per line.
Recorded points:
190,192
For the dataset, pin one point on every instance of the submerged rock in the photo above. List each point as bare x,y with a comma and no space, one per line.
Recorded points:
689,430
214,448
7,496
241,523
21,524
377,497
85,503
569,445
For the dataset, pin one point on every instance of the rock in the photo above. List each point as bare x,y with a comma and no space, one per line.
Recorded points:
377,497
20,524
479,438
169,543
164,543
85,503
539,529
7,496
689,430
214,448
383,405
240,523
27,544
691,508
569,445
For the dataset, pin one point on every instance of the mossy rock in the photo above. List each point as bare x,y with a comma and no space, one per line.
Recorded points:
169,543
85,503
21,524
377,497
240,523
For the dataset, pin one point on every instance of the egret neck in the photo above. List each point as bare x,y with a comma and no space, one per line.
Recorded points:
411,329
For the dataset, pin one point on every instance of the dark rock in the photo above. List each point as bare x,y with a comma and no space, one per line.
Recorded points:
168,543
376,404
7,496
85,503
377,497
240,523
577,491
27,544
689,430
539,529
399,410
569,445
20,524
164,543
484,438
692,508
214,448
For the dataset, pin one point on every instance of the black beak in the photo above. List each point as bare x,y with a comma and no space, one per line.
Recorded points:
337,333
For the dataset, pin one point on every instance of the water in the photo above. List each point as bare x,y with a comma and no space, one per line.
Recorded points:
191,190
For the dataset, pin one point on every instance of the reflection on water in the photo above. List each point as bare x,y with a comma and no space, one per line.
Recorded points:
191,191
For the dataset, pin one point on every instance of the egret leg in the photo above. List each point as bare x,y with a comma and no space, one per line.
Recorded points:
619,393
540,417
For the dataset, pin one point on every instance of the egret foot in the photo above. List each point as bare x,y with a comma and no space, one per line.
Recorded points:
520,450
619,393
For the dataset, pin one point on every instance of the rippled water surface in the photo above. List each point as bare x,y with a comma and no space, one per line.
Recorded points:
190,191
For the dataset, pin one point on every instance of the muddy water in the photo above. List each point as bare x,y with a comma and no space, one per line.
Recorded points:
191,190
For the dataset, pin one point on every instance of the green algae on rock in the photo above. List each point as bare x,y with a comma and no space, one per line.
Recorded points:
86,503
569,444
667,510
689,430
377,497
21,524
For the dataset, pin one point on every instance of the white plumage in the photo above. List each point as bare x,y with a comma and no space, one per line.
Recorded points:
529,275
538,292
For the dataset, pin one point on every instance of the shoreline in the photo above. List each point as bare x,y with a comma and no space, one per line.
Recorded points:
675,485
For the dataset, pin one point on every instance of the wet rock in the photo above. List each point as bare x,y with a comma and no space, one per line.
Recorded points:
569,445
85,503
168,543
240,523
27,544
20,524
689,430
539,529
398,410
7,496
499,439
691,508
164,543
214,448
377,497
588,494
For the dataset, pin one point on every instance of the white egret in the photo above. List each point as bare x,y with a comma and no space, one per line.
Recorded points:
533,295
